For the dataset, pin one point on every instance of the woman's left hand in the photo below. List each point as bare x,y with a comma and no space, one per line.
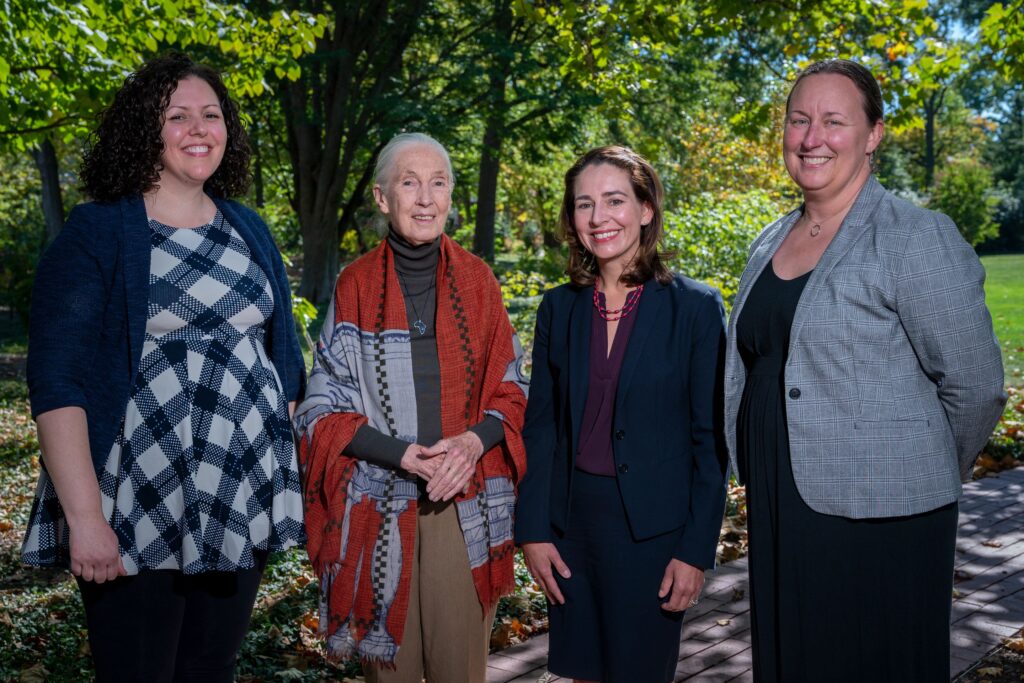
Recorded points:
682,584
459,456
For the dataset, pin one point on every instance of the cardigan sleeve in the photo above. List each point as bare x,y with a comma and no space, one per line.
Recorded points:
69,299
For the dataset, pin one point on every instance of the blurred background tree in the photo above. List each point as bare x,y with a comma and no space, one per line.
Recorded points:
516,89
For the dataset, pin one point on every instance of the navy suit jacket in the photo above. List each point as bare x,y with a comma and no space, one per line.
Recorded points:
667,435
89,307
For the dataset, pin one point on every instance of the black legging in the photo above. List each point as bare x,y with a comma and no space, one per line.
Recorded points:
162,625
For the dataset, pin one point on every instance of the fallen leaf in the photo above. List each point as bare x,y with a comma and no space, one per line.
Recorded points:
960,575
724,622
1015,644
990,671
992,544
311,621
36,673
737,594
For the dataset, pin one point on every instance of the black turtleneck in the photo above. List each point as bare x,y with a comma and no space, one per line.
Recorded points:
416,268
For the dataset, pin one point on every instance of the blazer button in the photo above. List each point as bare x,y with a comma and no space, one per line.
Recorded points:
794,393
620,435
623,468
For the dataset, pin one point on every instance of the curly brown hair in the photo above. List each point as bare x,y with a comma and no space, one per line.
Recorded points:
123,157
649,261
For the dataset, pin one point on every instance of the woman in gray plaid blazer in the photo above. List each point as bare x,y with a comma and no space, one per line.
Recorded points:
862,379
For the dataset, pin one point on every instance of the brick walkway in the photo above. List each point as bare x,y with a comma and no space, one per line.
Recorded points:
988,605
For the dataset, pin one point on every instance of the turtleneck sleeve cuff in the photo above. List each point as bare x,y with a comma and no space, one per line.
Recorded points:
490,430
376,447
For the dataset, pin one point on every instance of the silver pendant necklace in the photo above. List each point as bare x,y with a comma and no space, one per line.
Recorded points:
420,326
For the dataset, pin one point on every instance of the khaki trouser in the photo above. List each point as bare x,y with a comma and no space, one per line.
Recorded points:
446,634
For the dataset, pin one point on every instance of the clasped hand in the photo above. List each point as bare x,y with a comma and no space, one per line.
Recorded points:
447,466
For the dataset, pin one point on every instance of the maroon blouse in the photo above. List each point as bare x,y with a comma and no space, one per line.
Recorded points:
595,441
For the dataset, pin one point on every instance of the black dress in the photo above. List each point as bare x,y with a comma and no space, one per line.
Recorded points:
832,599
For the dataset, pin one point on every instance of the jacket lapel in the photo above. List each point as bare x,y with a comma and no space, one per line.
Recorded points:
579,358
853,226
648,314
135,228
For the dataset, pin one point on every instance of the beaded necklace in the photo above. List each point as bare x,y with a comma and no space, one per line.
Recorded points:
632,299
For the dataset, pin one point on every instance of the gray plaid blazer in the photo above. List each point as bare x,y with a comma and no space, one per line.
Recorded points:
894,379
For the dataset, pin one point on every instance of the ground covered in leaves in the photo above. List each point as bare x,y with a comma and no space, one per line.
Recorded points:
1004,665
42,627
42,631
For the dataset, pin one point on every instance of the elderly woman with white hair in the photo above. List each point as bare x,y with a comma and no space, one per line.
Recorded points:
410,439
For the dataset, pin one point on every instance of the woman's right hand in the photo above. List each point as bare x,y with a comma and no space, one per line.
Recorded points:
64,441
95,555
540,559
416,461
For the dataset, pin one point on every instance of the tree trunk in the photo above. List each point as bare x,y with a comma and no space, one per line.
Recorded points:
931,114
494,133
333,115
45,157
487,187
319,261
929,144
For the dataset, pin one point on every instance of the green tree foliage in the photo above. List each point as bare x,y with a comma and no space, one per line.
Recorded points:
1005,153
21,234
1002,33
711,234
60,62
964,193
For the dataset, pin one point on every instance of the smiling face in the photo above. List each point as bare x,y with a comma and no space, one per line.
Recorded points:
828,139
194,135
418,195
607,215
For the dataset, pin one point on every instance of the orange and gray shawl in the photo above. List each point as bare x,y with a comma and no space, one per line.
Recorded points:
360,517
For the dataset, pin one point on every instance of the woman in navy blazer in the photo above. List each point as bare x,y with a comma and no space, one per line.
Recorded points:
162,362
620,509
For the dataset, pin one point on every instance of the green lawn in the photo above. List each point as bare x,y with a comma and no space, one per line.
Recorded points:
1004,292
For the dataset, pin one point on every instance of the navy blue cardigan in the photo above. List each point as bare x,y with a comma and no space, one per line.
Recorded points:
89,308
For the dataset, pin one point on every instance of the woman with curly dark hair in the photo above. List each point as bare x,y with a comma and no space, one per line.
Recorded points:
162,367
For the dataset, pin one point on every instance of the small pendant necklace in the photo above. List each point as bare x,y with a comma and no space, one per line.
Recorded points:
815,226
420,326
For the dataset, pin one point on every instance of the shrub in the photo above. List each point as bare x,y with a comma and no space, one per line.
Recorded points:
965,193
22,236
711,236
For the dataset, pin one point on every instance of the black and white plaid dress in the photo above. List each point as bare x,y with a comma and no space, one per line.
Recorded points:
204,470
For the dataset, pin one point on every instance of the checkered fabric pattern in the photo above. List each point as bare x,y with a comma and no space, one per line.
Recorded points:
204,470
